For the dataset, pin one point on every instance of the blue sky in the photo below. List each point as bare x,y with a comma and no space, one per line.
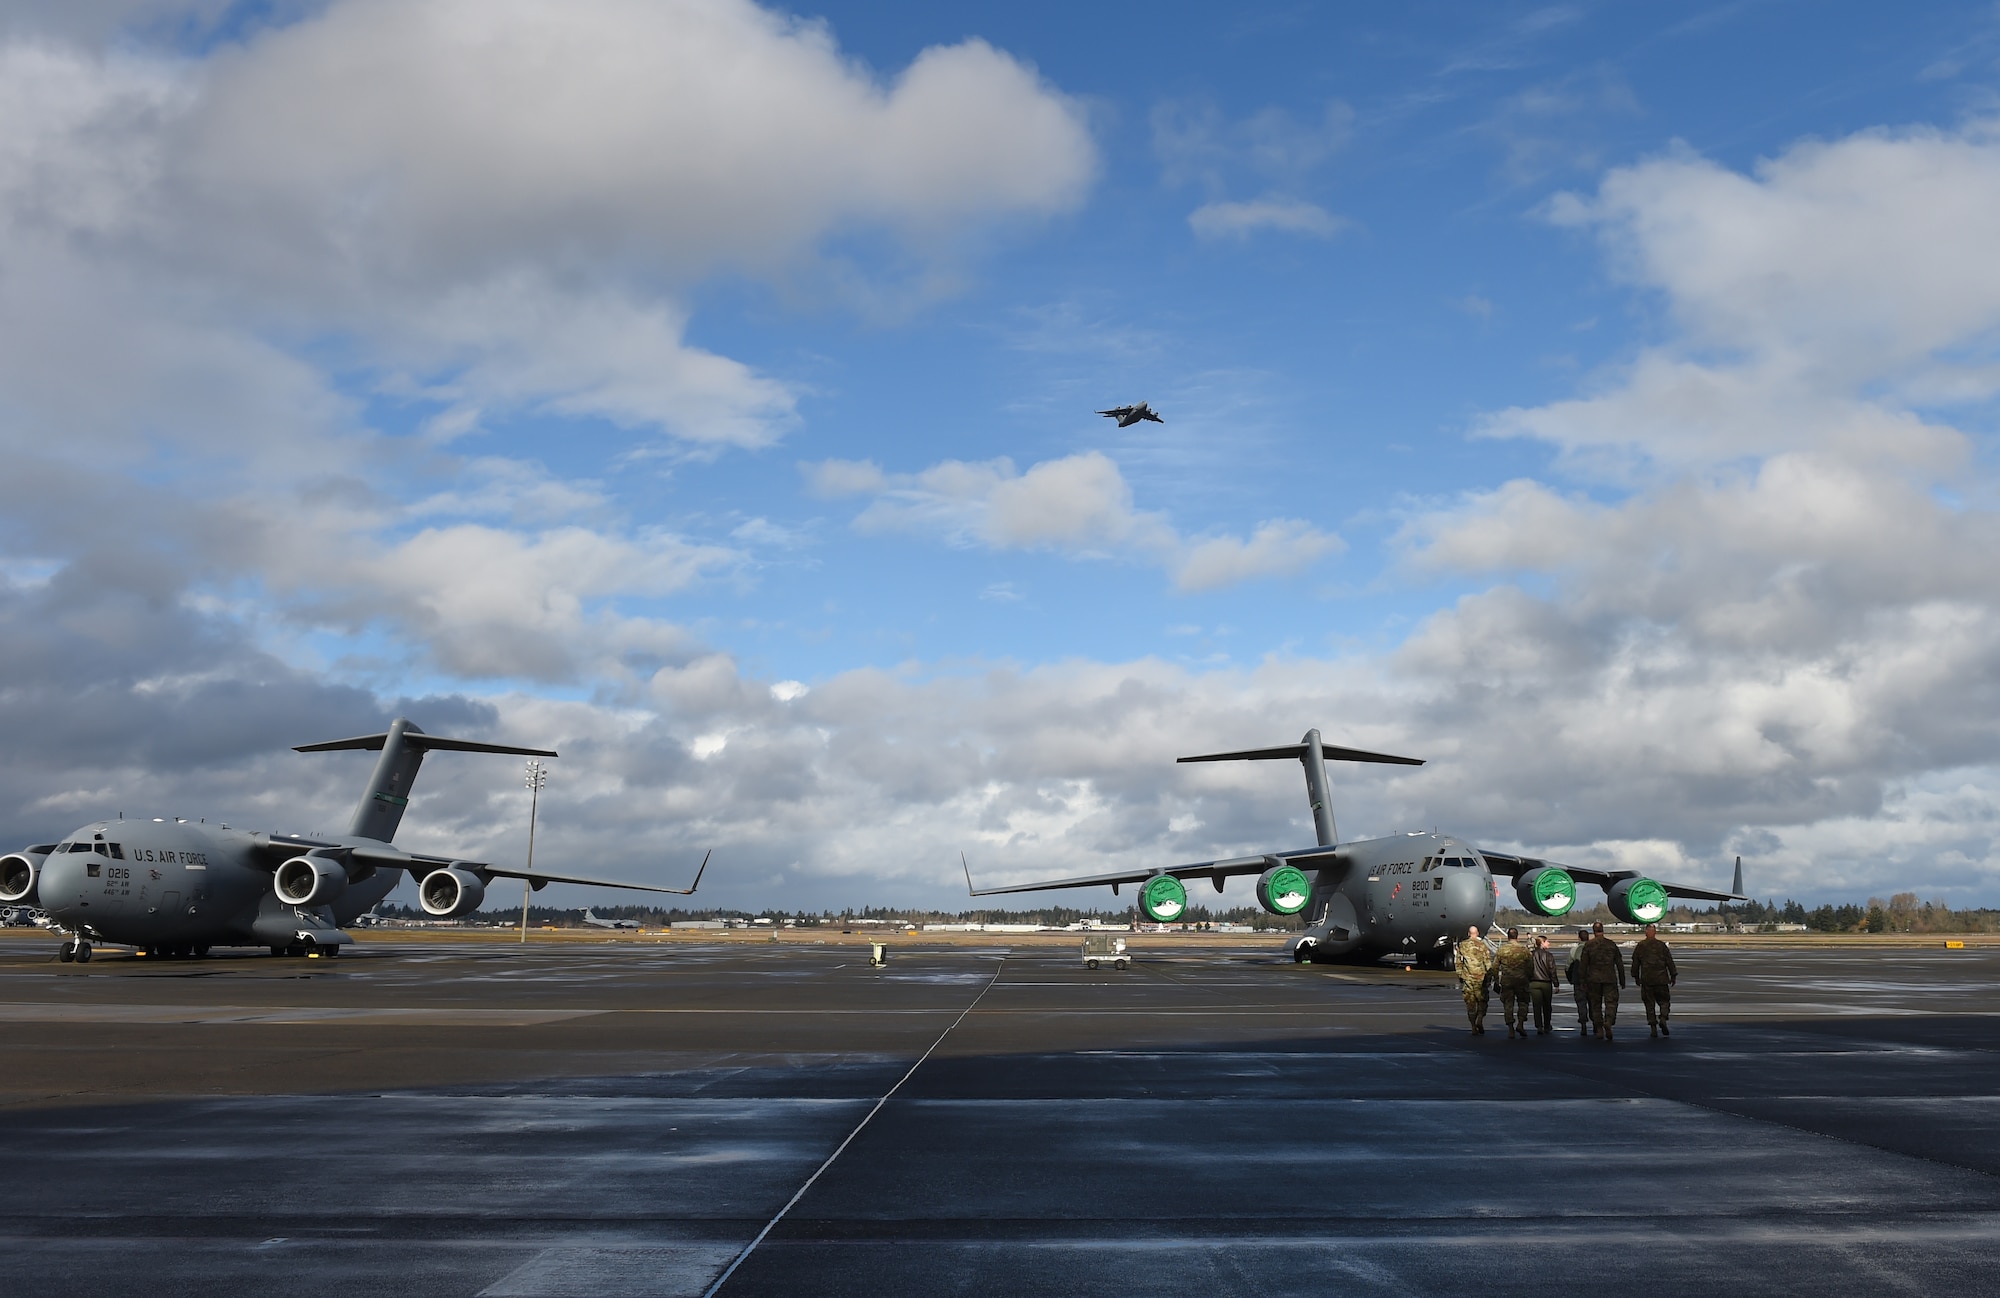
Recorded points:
1595,399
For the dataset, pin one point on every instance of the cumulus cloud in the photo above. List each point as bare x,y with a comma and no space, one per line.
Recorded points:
1079,505
1756,617
209,263
512,196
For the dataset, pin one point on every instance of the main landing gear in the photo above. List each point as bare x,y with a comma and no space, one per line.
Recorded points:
74,949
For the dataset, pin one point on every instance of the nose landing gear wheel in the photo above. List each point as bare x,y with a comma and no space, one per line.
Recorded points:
83,953
66,952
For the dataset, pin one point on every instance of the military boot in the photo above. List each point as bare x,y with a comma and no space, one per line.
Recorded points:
1652,1030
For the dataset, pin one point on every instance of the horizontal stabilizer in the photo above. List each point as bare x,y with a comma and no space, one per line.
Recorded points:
1332,752
414,738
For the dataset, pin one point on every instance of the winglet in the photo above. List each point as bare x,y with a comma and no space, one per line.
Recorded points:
970,891
698,869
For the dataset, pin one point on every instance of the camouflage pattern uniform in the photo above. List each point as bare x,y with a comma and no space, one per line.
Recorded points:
1515,962
1653,969
1579,989
1604,973
1542,987
1474,960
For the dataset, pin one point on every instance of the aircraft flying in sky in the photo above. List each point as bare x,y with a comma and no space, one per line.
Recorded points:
175,888
1411,895
1130,415
590,918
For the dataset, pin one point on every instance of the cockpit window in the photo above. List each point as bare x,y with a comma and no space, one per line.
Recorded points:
117,851
77,847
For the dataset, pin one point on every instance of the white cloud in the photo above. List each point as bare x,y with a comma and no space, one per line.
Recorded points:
1775,628
209,263
513,196
1079,505
1280,547
1227,220
1197,146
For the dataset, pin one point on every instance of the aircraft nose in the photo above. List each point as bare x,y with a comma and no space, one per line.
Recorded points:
1465,896
60,886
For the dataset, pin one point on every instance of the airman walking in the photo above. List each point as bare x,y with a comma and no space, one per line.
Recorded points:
1573,971
1515,963
1474,961
1542,986
1653,969
1604,974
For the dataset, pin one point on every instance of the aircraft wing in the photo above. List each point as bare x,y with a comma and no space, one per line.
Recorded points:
1308,858
377,853
1511,866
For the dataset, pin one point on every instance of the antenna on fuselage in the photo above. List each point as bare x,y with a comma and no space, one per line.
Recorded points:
1312,753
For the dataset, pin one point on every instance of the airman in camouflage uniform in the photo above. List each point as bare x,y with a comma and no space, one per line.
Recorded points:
1653,969
1573,971
1604,973
1515,962
1474,961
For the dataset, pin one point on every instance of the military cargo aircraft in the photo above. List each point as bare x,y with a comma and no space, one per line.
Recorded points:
1130,415
176,888
1408,896
590,918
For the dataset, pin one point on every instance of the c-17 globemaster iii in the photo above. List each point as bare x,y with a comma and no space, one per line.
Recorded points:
1130,415
1409,895
172,887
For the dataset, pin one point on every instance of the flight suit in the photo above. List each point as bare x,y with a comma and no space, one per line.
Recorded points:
1604,973
1514,963
1542,988
1474,961
1579,989
1653,969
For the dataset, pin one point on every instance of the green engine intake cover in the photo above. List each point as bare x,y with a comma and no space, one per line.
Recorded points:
1164,899
1647,900
1284,890
1555,891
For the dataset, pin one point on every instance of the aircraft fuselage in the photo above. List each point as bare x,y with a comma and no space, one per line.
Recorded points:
163,882
1410,894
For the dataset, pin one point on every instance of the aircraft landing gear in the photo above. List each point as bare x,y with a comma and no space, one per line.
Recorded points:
201,951
74,949
1302,951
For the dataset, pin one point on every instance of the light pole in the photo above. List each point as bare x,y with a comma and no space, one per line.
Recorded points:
537,776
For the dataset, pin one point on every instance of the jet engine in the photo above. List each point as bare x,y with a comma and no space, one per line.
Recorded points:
310,881
1163,898
20,875
450,892
1546,890
1283,890
1637,901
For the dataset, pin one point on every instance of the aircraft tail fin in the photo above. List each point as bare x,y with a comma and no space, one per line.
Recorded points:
1311,753
402,746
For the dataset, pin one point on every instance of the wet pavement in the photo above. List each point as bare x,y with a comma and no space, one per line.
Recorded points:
625,1119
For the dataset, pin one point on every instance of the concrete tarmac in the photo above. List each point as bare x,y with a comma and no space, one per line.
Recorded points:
621,1119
